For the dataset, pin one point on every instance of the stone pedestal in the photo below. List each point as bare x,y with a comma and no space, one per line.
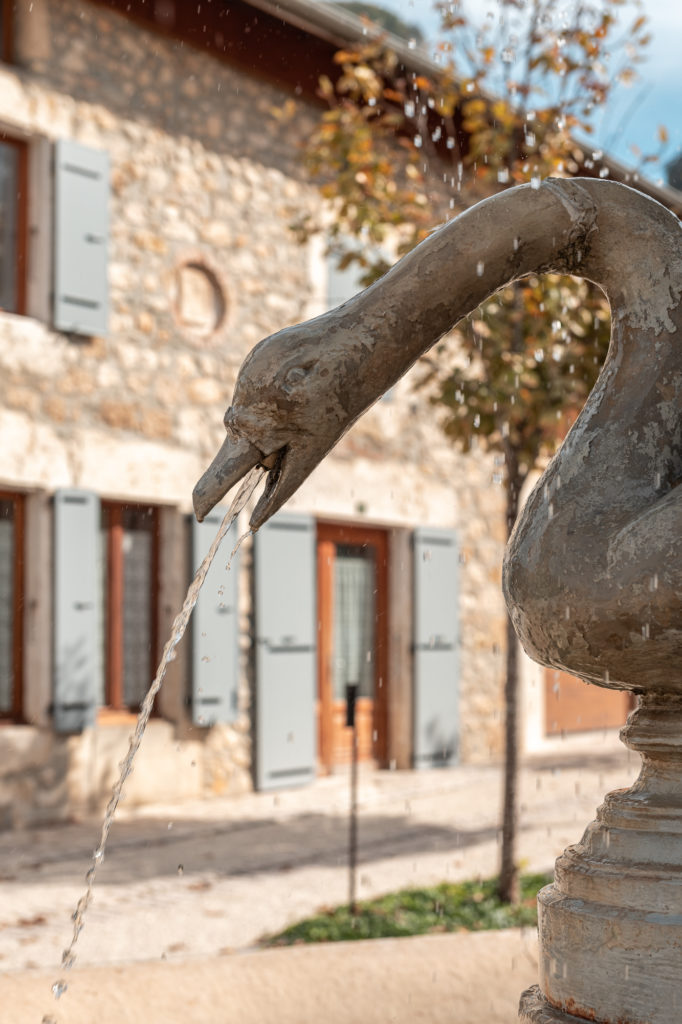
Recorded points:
611,924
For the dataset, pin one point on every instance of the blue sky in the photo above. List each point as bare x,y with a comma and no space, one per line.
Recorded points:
654,100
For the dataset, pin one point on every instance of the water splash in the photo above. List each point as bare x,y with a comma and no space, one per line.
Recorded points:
177,632
59,988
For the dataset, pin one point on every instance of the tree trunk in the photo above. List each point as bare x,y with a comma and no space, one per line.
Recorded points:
509,891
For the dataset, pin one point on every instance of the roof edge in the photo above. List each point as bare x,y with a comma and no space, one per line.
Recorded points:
340,27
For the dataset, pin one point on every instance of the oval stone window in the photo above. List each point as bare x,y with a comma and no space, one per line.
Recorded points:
200,304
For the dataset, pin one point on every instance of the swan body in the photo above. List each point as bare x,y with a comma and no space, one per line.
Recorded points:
593,570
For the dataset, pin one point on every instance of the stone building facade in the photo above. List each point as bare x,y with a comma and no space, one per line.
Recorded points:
119,409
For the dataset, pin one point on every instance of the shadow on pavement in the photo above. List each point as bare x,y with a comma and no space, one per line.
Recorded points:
142,850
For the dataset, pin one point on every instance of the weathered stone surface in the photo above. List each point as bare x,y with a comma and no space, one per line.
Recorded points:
22,398
33,779
205,391
593,573
120,415
593,569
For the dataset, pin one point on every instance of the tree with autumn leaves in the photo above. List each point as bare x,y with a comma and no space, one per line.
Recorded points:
397,148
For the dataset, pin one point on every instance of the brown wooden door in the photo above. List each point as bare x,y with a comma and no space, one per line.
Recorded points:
352,641
574,706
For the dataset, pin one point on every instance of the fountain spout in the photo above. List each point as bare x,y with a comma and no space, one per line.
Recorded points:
610,550
616,504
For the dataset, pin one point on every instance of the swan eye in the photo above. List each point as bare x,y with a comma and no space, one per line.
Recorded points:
294,376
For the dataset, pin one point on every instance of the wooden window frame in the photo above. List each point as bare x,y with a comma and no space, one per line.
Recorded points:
113,656
21,253
7,20
15,714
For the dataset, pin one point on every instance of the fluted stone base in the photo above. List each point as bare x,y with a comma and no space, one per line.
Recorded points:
611,925
534,1009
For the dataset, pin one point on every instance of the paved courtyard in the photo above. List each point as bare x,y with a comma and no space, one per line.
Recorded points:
188,886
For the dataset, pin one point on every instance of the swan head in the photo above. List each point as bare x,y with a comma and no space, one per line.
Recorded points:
296,393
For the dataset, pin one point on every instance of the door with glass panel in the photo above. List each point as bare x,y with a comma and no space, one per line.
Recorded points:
352,641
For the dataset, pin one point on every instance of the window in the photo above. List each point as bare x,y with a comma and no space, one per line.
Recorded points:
13,213
130,543
11,604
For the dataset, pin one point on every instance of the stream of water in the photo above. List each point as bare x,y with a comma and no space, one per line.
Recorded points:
177,632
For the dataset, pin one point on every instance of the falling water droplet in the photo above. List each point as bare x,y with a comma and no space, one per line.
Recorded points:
59,988
178,628
480,267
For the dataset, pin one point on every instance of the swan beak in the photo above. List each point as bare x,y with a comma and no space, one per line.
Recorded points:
287,469
293,465
233,461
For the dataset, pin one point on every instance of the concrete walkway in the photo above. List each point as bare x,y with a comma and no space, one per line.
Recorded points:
434,979
182,888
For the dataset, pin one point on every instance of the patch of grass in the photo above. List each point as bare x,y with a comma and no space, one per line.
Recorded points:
448,907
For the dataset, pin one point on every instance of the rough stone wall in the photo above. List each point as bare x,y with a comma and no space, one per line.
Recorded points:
190,182
201,174
34,786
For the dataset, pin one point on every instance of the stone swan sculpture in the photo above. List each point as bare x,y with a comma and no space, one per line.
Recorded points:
593,570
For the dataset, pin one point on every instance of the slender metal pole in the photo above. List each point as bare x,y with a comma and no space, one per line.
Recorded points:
351,691
353,851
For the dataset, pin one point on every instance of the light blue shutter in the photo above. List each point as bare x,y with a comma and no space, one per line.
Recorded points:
215,628
81,304
286,667
77,634
436,659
